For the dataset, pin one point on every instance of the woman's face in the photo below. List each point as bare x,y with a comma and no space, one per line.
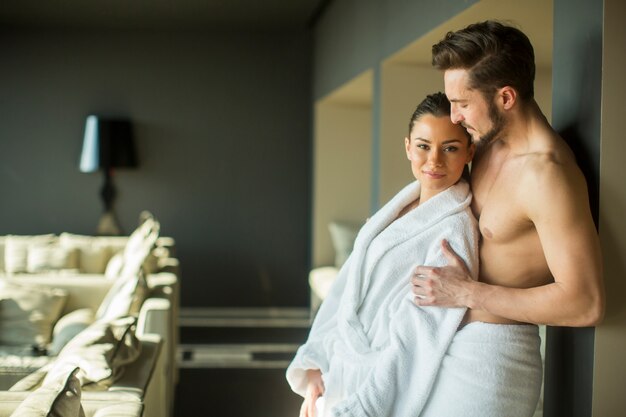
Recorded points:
438,150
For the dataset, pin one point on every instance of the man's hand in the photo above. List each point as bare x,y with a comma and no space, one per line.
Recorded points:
315,388
445,286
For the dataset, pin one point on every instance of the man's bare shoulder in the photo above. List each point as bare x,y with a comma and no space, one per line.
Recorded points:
549,157
549,173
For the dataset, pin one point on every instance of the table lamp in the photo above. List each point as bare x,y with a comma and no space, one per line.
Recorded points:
108,144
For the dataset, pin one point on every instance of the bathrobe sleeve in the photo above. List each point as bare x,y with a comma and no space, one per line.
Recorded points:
314,353
402,378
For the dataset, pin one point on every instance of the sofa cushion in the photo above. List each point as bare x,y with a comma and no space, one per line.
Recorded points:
16,251
93,252
101,351
58,397
50,256
31,381
27,313
17,363
68,326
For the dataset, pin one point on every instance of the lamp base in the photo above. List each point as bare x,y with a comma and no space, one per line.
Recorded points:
108,225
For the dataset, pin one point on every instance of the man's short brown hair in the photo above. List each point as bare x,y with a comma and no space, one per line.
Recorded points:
495,55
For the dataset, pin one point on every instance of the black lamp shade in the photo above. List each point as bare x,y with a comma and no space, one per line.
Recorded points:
108,143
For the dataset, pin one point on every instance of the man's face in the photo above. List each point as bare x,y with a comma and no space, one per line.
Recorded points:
482,119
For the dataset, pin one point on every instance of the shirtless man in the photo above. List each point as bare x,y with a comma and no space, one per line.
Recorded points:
540,258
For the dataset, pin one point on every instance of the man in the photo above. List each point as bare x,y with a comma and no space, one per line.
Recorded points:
540,259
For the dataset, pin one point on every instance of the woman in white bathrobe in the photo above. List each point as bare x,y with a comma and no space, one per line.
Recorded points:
371,351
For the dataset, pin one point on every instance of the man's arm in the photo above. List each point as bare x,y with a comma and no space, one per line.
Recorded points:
559,210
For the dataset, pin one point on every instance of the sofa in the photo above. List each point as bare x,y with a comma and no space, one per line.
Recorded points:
63,302
139,392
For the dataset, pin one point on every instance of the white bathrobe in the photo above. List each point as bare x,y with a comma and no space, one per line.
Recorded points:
378,352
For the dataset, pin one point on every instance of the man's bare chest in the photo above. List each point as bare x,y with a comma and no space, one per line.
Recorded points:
498,203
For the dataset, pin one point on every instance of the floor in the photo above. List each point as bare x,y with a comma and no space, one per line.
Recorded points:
232,362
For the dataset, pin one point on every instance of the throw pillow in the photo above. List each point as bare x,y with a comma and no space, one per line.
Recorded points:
342,235
16,251
101,351
144,236
114,267
58,397
27,313
68,327
93,253
124,297
42,257
140,244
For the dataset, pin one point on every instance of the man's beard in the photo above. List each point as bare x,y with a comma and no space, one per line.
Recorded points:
497,122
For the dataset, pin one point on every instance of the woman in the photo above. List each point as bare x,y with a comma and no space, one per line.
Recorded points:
371,351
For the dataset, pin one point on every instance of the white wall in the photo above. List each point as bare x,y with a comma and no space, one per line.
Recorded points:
342,171
403,88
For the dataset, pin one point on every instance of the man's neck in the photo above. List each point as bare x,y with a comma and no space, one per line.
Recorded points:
521,123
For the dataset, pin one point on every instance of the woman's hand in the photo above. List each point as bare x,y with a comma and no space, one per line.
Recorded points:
315,389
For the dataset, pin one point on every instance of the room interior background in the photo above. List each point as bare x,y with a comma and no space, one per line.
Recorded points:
222,115
222,127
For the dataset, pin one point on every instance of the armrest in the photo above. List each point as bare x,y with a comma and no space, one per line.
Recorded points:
156,317
138,376
125,408
167,285
145,378
171,265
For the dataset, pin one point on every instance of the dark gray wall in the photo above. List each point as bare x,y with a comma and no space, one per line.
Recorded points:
355,35
223,129
576,106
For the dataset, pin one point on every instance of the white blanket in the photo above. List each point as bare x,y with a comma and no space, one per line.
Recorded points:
378,353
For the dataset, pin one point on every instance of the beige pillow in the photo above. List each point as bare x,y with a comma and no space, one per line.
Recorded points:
16,251
93,253
135,255
43,257
140,244
28,313
114,268
143,238
58,397
68,326
101,351
124,297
